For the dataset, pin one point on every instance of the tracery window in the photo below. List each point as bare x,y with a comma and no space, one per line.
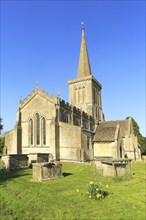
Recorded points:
31,131
44,131
37,120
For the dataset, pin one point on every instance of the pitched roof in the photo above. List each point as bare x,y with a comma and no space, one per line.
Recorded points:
106,131
105,134
122,123
42,93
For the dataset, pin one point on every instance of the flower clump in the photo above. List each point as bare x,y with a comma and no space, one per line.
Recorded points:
97,191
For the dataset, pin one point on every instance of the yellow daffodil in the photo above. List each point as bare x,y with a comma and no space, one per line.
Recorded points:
91,182
98,195
106,186
78,190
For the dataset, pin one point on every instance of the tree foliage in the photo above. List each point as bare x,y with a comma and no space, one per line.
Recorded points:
2,143
141,139
2,139
1,125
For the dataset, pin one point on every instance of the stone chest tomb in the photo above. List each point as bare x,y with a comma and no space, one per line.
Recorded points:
45,171
113,167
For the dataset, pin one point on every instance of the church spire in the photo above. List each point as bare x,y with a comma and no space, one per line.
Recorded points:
84,64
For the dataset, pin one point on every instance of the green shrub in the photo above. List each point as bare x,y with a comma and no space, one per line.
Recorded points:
97,191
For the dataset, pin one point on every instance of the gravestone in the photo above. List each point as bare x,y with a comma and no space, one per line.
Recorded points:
45,171
113,167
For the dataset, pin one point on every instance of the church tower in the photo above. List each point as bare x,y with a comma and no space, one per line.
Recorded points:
85,90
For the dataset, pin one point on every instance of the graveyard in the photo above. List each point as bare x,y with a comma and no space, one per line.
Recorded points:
66,197
72,86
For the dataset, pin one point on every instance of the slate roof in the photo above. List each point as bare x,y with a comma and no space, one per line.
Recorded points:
105,131
105,134
122,123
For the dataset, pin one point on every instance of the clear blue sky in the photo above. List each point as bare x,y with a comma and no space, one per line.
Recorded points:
40,40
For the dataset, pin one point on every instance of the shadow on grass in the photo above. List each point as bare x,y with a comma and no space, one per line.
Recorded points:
67,174
9,175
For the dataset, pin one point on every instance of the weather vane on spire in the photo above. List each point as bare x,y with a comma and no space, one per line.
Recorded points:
82,24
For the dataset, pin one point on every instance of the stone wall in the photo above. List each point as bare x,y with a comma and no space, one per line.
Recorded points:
72,115
87,147
41,158
35,150
103,149
62,131
85,93
131,147
70,141
45,109
14,162
117,170
11,141
88,155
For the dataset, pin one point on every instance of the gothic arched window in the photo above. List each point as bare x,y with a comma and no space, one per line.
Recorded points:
37,120
44,131
31,131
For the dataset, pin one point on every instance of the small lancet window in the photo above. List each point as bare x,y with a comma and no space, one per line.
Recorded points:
31,131
37,128
44,131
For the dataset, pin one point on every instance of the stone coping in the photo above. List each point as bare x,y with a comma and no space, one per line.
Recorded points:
38,154
113,160
85,78
47,164
118,160
14,155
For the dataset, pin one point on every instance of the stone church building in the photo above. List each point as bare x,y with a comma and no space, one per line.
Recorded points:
74,131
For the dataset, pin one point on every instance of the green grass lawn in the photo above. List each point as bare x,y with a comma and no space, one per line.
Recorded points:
22,198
